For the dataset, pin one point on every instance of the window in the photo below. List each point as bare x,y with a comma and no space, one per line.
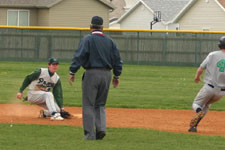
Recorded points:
18,18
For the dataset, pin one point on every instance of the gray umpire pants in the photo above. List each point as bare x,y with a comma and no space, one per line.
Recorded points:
95,88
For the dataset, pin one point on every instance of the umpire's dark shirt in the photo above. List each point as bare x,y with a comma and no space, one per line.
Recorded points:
97,51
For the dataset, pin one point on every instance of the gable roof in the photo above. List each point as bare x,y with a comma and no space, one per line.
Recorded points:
168,8
221,4
130,3
132,9
118,11
39,3
107,3
29,3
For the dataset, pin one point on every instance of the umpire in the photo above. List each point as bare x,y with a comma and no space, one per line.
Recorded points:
97,54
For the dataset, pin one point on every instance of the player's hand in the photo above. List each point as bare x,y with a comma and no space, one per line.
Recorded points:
115,82
197,80
62,109
71,79
19,95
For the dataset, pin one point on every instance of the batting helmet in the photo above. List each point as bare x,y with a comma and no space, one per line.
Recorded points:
221,43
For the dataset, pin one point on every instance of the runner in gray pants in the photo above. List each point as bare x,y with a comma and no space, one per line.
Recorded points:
97,54
214,84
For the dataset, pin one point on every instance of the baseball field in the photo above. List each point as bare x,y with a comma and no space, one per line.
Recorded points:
151,109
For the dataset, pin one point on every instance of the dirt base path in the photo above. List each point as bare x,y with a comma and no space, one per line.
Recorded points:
164,120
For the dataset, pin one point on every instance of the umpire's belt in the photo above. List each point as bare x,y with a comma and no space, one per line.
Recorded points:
98,68
212,86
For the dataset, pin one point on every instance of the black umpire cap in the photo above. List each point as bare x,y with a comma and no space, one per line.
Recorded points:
96,20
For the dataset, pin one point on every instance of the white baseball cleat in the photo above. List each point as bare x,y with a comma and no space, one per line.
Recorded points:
57,116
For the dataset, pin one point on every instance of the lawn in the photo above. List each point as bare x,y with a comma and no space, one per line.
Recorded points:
160,87
36,137
164,87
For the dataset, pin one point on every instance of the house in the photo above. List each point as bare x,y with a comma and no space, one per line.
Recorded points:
121,7
118,11
207,15
63,13
130,4
142,14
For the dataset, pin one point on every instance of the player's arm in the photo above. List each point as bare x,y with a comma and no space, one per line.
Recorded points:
117,62
198,74
58,94
202,67
117,66
28,79
79,59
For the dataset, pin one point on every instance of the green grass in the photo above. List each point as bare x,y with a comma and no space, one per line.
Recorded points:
36,137
164,87
140,87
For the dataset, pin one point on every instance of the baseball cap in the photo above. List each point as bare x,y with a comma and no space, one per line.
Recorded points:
52,61
96,20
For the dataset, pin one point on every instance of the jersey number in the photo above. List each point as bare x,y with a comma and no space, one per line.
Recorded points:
221,65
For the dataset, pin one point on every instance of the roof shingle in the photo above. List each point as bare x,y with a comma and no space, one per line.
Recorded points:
39,3
119,10
28,3
222,2
169,8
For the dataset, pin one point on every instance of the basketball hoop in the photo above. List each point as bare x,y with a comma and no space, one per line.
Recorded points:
156,18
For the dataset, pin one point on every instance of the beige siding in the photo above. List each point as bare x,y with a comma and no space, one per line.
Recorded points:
73,13
140,18
3,16
203,15
33,17
43,17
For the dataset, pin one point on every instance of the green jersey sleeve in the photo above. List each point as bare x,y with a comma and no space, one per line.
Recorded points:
58,93
29,78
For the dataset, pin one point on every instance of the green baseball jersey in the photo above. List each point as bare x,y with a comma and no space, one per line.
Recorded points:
215,69
42,79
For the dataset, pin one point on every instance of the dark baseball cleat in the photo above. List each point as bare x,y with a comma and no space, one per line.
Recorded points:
100,135
193,129
88,136
196,119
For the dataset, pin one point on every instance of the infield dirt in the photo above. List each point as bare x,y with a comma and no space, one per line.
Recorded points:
157,119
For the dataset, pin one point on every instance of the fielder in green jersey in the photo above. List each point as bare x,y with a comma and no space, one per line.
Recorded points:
45,86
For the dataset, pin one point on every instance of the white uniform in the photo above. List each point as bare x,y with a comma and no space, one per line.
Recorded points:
39,91
214,79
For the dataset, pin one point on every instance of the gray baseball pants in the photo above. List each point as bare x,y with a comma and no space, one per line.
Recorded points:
45,100
207,95
95,88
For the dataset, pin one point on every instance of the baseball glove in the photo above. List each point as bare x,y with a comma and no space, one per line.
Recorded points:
25,98
65,114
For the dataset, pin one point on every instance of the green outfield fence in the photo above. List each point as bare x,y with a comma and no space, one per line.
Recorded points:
158,47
